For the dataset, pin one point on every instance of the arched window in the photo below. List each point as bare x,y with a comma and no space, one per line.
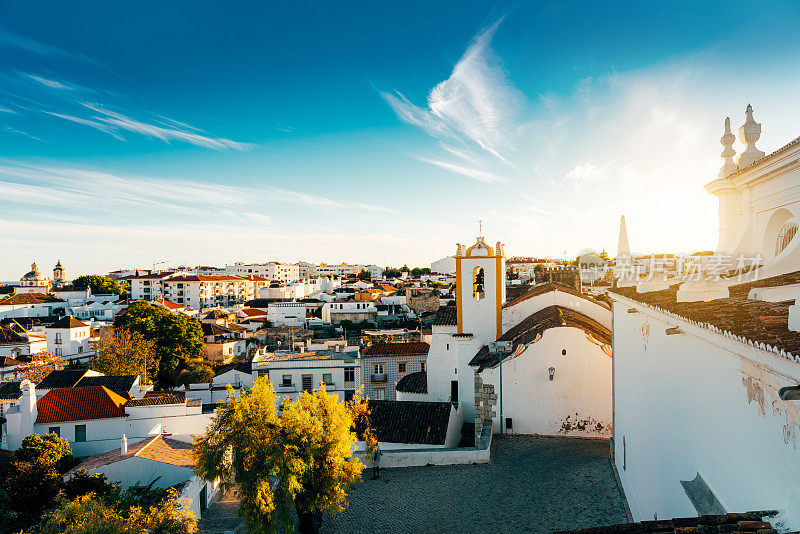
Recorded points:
785,235
477,283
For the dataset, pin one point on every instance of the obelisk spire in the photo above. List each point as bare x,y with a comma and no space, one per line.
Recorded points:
749,133
623,248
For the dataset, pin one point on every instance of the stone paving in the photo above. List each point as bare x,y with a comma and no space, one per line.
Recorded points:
533,484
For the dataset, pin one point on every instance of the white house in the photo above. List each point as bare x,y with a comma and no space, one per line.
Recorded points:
164,460
93,418
287,314
706,373
19,345
353,311
385,364
30,305
292,372
273,270
69,339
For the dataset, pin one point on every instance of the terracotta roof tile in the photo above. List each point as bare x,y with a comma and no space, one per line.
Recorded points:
61,378
546,287
157,400
9,337
756,320
79,404
735,522
29,298
157,448
10,390
381,349
68,322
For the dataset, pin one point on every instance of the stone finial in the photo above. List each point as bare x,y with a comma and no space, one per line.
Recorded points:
749,133
728,152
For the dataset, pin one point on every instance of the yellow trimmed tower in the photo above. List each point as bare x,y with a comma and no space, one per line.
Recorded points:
481,290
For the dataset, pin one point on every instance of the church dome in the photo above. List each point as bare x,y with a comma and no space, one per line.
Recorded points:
33,275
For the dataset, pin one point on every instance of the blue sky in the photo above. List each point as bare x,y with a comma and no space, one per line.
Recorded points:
365,132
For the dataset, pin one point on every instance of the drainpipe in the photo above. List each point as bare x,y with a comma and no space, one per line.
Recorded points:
500,396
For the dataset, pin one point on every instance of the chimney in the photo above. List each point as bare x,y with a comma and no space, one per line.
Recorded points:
27,406
124,448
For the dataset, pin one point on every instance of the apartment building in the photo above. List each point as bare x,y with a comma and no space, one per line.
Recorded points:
273,270
198,291
341,269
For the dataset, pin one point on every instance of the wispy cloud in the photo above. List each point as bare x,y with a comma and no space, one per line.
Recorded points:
48,82
22,133
470,172
6,110
123,122
86,122
476,105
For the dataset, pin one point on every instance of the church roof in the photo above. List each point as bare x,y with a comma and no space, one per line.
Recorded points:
784,148
546,287
757,320
529,328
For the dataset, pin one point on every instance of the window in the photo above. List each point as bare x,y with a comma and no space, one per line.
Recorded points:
58,338
59,352
287,381
80,433
378,369
80,349
421,366
454,391
308,383
327,378
54,430
350,374
401,367
478,283
785,235
379,394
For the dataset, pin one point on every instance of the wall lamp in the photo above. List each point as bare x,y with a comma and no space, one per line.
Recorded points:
789,393
673,331
633,310
552,373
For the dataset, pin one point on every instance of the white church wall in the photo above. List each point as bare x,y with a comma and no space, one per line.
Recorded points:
577,402
513,315
698,402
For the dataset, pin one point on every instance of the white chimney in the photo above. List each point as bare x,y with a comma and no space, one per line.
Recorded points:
27,406
124,449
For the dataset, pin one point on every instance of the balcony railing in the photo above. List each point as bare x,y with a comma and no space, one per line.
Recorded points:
379,377
286,388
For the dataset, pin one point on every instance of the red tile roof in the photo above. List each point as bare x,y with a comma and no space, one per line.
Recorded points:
79,404
28,298
157,448
546,287
381,349
68,322
252,312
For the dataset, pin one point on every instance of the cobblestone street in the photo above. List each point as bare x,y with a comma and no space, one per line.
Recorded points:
532,484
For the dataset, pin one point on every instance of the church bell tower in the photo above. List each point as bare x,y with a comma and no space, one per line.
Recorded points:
481,290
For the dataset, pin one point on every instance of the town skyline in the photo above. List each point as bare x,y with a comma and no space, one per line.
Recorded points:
121,155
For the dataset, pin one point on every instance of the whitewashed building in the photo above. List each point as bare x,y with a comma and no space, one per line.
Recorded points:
70,339
446,265
293,372
706,373
283,272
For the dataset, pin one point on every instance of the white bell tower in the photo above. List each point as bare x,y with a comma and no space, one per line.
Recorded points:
481,290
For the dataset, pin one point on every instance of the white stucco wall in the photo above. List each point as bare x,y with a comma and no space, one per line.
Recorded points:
578,400
700,402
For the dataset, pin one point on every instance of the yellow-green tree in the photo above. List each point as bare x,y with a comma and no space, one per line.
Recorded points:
90,514
298,458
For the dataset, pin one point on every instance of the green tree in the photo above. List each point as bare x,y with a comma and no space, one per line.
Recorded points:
101,285
177,337
125,352
91,514
49,447
365,275
31,485
298,458
196,373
